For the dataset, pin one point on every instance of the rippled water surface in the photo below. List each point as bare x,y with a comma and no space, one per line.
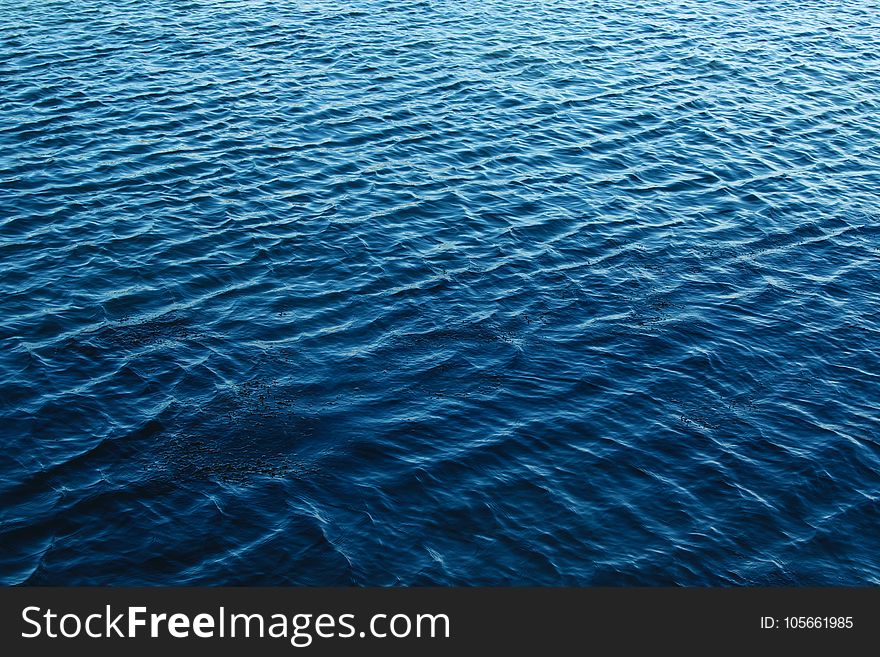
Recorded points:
394,292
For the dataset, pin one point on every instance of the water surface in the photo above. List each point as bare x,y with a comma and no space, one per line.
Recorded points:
398,293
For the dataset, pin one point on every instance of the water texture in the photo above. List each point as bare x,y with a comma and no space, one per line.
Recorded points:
390,292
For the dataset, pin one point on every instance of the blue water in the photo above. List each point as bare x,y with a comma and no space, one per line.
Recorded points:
394,292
